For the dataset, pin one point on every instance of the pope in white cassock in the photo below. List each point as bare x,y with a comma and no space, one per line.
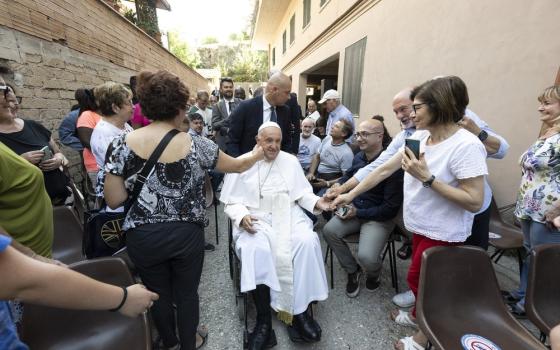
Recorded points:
281,259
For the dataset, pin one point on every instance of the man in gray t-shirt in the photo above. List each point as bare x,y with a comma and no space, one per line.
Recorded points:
334,157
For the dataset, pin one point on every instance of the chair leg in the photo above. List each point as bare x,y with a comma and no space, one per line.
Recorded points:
393,261
520,259
332,269
216,222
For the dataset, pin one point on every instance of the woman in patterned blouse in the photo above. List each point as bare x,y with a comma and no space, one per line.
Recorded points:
537,201
165,225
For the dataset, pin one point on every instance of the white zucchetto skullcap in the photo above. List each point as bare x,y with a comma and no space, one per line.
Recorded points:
268,125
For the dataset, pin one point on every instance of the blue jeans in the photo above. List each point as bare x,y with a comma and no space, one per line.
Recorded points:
8,335
534,235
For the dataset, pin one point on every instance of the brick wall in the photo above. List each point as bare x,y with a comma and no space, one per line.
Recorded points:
57,46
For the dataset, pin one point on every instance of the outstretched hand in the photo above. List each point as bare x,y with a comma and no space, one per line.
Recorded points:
323,204
342,199
258,152
334,191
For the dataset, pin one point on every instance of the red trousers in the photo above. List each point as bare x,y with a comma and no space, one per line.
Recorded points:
419,245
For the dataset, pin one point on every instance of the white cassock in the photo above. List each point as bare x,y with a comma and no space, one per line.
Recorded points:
284,253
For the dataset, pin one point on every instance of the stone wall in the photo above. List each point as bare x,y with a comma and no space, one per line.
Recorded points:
57,46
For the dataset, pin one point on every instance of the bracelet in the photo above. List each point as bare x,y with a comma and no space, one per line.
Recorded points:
122,301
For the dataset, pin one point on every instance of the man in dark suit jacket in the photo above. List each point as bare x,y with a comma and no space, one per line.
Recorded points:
295,113
246,119
221,112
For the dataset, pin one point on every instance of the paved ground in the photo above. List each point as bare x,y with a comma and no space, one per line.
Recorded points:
359,323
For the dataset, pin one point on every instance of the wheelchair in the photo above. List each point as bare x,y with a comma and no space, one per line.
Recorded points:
241,299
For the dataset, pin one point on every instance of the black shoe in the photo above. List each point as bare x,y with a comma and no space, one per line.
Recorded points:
509,298
517,311
353,285
304,328
372,283
209,247
263,337
405,251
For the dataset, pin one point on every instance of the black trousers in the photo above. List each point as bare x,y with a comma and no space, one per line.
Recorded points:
169,258
480,230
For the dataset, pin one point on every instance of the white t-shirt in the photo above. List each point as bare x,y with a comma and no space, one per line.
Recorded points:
102,136
334,158
426,212
308,147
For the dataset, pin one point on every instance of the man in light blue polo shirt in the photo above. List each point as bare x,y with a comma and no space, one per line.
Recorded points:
337,111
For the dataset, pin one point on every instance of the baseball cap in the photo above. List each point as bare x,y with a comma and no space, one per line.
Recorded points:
329,95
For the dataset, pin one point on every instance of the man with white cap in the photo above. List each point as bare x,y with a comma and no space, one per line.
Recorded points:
336,110
280,254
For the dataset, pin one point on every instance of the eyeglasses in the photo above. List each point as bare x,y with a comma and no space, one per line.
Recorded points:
415,106
7,90
365,134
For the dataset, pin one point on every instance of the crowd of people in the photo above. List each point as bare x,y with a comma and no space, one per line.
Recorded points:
277,169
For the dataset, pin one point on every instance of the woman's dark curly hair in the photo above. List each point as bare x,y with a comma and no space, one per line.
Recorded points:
161,95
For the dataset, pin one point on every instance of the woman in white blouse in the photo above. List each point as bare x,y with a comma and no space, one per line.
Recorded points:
442,189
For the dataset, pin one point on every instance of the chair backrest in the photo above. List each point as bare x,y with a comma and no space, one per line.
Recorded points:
68,235
542,302
53,328
459,295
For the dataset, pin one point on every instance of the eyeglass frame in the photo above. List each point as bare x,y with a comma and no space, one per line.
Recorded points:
7,90
415,105
368,134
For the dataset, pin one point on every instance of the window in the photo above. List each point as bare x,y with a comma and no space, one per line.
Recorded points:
306,12
273,56
353,71
292,28
284,42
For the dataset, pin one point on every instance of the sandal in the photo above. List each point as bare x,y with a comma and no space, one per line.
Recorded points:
202,332
410,344
403,319
405,251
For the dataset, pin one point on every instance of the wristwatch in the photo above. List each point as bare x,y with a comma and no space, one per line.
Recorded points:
429,182
482,136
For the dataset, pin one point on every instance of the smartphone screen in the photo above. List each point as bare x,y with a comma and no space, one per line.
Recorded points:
48,153
414,146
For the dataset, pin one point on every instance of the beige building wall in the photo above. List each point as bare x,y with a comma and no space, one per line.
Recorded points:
507,52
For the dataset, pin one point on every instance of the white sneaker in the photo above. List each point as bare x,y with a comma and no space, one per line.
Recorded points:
405,299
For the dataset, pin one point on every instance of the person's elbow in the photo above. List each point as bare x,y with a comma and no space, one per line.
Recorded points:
475,203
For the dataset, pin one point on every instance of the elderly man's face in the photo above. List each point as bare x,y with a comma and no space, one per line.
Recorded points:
202,102
270,139
402,107
307,128
331,104
311,106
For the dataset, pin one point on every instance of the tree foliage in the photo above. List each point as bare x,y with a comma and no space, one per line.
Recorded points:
182,50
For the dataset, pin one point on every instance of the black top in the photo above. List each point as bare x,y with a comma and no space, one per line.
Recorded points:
382,202
244,123
32,137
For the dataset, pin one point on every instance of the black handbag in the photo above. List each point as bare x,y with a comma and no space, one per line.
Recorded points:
103,234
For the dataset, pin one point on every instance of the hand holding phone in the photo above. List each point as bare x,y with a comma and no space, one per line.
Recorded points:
48,153
414,146
342,211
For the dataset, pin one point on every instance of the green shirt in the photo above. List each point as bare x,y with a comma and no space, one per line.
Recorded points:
25,208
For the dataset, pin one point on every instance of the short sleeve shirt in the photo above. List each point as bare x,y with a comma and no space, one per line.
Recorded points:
8,334
308,147
334,158
89,119
427,213
173,192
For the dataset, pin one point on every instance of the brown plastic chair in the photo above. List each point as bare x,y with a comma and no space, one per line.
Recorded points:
459,295
542,302
49,328
68,235
511,237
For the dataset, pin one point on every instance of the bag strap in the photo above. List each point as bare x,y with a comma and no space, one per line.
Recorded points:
149,165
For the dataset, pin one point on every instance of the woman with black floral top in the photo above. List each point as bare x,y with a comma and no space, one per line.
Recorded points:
165,225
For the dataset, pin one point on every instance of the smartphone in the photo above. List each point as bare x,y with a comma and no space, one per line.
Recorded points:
414,146
342,211
48,153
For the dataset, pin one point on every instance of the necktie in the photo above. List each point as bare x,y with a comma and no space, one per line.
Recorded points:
273,117
230,107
